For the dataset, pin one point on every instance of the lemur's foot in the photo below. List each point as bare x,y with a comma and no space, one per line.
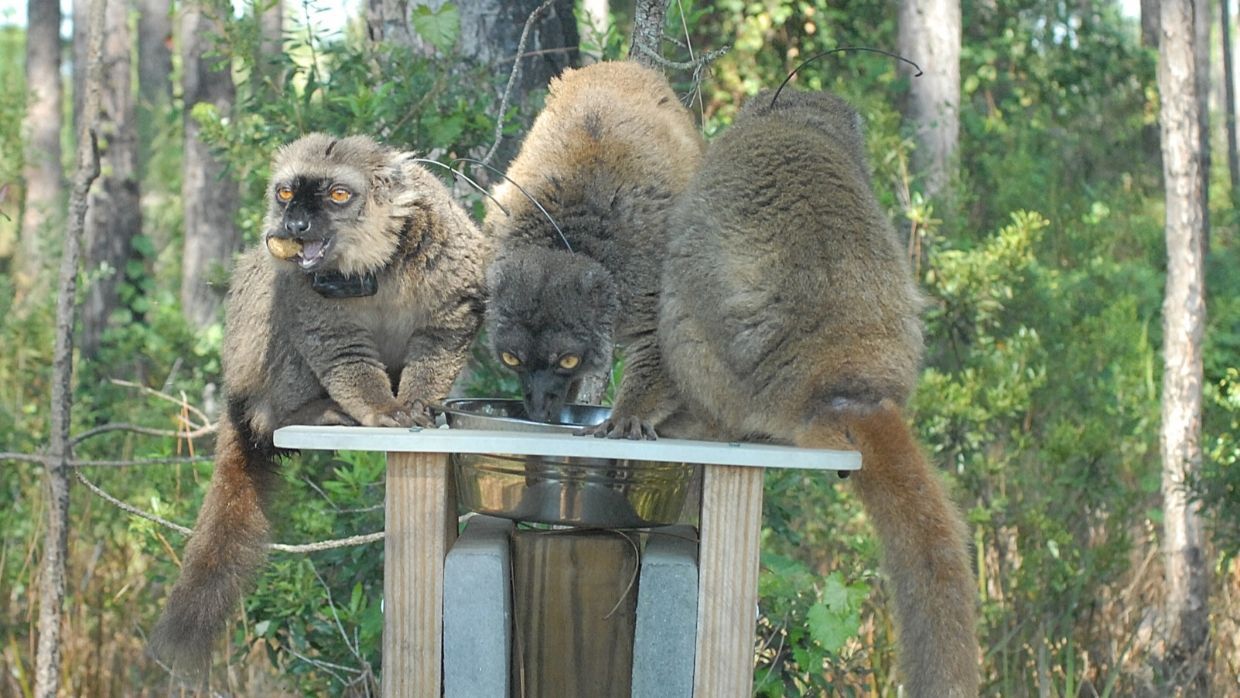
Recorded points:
621,428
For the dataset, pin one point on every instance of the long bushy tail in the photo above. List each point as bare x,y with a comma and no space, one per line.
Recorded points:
925,553
223,556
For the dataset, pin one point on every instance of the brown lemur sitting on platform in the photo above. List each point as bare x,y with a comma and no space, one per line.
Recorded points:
360,308
789,313
606,158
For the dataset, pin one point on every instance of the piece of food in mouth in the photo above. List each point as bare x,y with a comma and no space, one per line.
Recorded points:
283,248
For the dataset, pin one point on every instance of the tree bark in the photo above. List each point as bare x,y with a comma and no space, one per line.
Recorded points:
209,197
1186,616
115,216
929,35
44,183
154,53
154,70
388,21
1229,103
268,62
1149,23
1201,57
56,533
648,20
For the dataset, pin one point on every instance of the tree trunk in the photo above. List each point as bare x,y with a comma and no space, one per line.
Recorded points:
648,20
929,34
1186,615
388,21
271,43
154,70
271,28
490,34
56,531
596,19
1201,57
210,199
1149,23
154,53
1229,104
44,185
115,215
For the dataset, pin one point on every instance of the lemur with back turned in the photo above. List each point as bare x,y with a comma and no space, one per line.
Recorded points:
359,311
789,313
606,158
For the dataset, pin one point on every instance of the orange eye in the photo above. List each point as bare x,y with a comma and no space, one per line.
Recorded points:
509,359
340,195
569,361
284,194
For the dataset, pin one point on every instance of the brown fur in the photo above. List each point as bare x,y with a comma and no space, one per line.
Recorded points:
789,313
606,157
291,355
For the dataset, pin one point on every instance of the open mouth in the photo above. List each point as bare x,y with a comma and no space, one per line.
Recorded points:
312,253
307,254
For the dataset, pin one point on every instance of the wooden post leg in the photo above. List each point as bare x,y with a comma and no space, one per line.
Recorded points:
420,514
728,581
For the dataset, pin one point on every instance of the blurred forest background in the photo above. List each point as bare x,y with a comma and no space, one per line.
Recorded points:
1033,207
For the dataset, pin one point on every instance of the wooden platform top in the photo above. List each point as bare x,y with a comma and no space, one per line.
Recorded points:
418,440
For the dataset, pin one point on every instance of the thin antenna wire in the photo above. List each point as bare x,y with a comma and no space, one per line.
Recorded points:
523,192
465,177
815,57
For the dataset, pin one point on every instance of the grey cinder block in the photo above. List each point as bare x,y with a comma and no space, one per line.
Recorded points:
667,607
477,611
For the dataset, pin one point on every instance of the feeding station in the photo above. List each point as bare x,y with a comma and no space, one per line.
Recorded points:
495,610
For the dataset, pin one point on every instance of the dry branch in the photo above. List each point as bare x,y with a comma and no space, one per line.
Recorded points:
295,548
56,537
648,18
512,79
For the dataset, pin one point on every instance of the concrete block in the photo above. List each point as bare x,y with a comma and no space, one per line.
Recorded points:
667,608
477,611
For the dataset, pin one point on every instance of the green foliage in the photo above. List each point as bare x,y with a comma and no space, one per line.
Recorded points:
808,652
439,27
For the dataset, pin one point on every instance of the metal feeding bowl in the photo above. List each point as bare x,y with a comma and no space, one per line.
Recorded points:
603,492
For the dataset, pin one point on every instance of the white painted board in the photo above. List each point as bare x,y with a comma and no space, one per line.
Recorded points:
417,440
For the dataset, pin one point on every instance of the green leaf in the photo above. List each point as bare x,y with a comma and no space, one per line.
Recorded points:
830,629
440,28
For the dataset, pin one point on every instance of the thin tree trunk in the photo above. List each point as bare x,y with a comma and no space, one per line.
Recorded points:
1186,617
271,43
115,215
154,71
1201,56
154,53
56,534
596,17
271,28
81,51
44,183
1229,104
1149,23
210,199
648,19
929,34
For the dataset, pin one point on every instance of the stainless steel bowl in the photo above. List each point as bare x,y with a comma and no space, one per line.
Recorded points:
602,492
